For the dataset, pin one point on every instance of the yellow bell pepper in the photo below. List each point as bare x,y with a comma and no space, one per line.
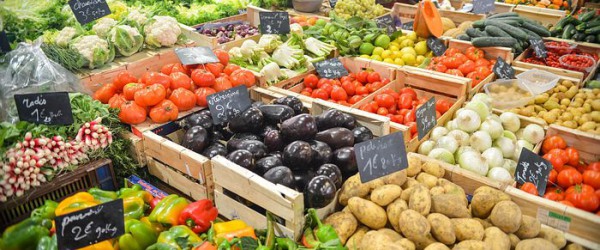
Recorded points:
75,202
230,226
104,245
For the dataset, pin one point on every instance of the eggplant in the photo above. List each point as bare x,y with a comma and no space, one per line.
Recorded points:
349,121
205,112
330,119
274,141
266,130
196,139
319,192
301,178
250,120
216,136
277,154
297,155
362,134
243,158
257,104
245,136
345,160
197,119
333,172
336,137
215,149
257,148
225,132
276,113
300,127
321,153
265,164
280,175
292,102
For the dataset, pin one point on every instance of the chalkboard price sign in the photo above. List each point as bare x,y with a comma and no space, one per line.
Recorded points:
229,103
436,45
533,168
4,44
90,226
426,118
331,68
45,108
386,22
539,47
332,3
381,156
277,22
89,10
483,6
503,70
407,25
196,55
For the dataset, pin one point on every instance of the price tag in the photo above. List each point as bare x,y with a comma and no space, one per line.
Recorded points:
483,6
45,108
407,26
436,45
229,103
426,118
331,68
277,22
4,44
533,168
381,156
196,55
89,10
539,47
555,220
386,22
332,3
503,70
90,226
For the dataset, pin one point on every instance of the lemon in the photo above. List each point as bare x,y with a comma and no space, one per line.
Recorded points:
421,48
412,36
394,48
365,56
386,54
366,48
399,61
409,50
409,59
382,41
394,43
388,60
377,51
400,39
396,54
407,43
376,58
420,59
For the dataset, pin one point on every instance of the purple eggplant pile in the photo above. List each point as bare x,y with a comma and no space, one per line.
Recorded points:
284,144
231,32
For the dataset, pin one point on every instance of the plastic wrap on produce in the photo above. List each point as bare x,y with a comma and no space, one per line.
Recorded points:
27,70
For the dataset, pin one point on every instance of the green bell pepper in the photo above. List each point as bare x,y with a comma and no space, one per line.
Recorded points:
135,191
162,246
179,237
134,207
102,196
25,234
46,211
138,236
167,211
47,243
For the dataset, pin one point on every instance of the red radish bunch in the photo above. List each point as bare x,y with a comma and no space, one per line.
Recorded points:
94,135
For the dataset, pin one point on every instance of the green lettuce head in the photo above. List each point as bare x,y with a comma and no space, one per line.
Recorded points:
126,39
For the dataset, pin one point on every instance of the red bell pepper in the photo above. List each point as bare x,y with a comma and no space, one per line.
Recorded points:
154,201
199,215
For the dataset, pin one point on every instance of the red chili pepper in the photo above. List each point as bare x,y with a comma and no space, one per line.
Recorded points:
199,215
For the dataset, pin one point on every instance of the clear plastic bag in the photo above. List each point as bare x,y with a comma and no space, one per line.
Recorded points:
27,70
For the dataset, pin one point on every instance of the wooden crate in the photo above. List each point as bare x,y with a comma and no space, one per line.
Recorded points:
179,181
407,12
426,85
503,7
548,17
249,17
137,147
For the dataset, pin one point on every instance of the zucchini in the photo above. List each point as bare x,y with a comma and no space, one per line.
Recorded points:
563,22
584,17
495,31
510,22
472,32
568,31
479,24
463,37
531,34
515,32
588,25
592,31
494,41
598,39
579,36
590,38
511,19
501,15
540,30
527,20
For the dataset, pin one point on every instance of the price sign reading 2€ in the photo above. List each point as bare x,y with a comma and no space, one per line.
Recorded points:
381,156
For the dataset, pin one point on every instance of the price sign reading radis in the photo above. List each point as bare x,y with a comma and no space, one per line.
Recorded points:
380,157
45,108
89,10
227,104
533,168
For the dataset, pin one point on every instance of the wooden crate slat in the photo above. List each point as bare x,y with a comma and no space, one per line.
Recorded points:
178,181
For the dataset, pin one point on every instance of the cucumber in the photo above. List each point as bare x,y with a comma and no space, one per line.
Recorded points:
510,22
515,32
568,31
463,37
540,30
584,17
496,32
592,31
479,24
527,20
511,19
472,32
501,15
532,35
590,38
494,41
518,48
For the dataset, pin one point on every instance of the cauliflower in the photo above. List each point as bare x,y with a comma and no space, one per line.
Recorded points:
272,73
269,42
103,26
136,18
126,39
65,36
95,50
162,31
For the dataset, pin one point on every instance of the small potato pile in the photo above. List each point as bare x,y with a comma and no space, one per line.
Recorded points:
418,209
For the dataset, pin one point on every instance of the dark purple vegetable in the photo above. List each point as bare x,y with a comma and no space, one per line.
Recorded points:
245,136
297,155
336,137
292,102
274,141
257,104
257,148
300,127
266,129
362,134
319,192
250,120
276,113
346,161
280,175
263,165
330,119
302,178
243,158
349,121
214,150
277,154
331,171
198,119
196,139
321,153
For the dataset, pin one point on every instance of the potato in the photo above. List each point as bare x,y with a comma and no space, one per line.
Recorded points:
514,241
406,244
484,223
414,166
397,178
410,182
393,235
374,184
436,191
427,179
367,212
555,236
353,188
467,229
574,246
537,243
344,224
354,241
437,246
484,199
377,241
406,194
385,194
495,239
452,188
530,227
413,225
433,168
449,205
470,245
442,228
423,242
393,212
506,215
420,200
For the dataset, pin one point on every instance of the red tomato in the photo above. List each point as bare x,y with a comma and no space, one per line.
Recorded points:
566,203
594,166
410,91
397,118
476,78
451,62
354,99
320,93
222,55
412,126
442,105
592,178
555,160
362,90
529,188
382,111
123,79
440,67
461,58
482,62
203,78
454,72
483,70
373,77
573,156
560,153
215,68
180,80
552,177
467,67
339,94
104,93
582,198
451,51
327,87
555,194
553,142
362,76
569,177
410,116
385,100
222,83
475,53
405,101
158,78
242,77
230,69
349,87
311,81
201,94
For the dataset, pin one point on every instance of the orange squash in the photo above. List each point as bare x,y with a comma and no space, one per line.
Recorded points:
428,21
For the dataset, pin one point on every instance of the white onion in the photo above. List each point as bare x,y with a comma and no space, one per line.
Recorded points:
438,132
463,149
451,125
460,136
510,121
482,98
493,157
480,141
457,112
448,143
510,165
506,146
492,127
533,133
468,120
472,161
509,135
426,147
442,154
519,134
500,174
495,118
519,146
481,108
